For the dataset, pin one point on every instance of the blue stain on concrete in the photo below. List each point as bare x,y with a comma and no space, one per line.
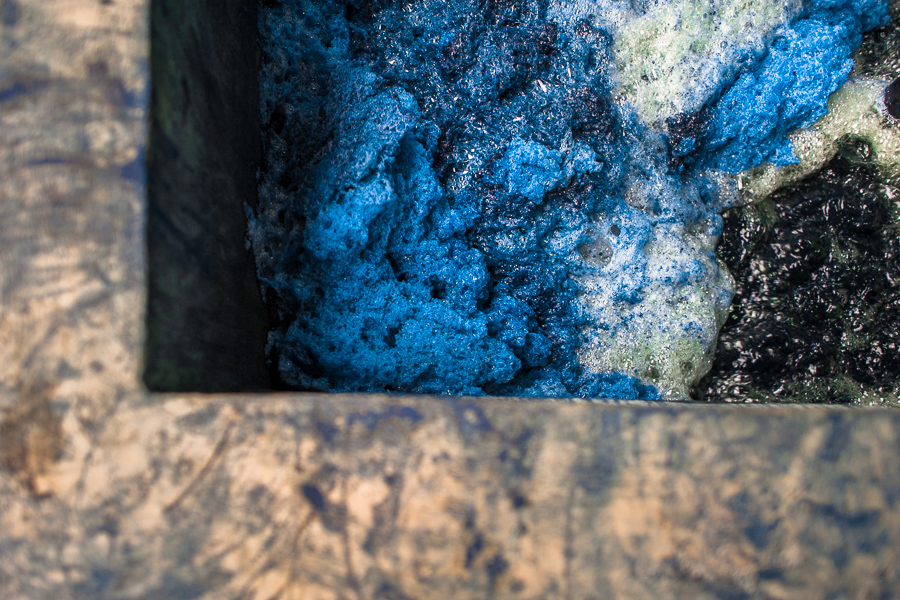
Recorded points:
371,420
328,431
314,496
470,418
440,177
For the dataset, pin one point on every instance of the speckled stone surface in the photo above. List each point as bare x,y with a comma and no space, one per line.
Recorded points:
373,497
73,97
107,491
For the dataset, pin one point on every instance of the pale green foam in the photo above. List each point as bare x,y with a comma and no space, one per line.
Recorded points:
673,57
668,338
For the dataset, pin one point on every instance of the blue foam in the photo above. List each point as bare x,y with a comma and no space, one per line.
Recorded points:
787,90
441,180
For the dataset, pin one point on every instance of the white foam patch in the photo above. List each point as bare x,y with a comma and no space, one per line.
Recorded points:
612,15
667,338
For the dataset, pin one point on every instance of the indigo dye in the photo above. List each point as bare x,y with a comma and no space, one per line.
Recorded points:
520,197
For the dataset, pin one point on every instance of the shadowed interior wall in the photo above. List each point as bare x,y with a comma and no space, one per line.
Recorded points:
206,325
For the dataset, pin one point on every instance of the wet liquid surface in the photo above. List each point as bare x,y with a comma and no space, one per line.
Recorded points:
467,199
816,312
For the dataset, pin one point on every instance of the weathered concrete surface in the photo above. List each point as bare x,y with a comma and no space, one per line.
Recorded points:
109,492
73,95
364,497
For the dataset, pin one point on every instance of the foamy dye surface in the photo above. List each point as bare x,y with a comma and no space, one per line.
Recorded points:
518,198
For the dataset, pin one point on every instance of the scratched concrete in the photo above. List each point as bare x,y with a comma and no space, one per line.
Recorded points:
108,491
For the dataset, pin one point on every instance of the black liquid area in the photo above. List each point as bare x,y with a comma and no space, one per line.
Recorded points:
892,99
816,313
